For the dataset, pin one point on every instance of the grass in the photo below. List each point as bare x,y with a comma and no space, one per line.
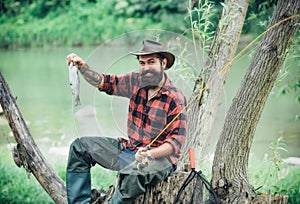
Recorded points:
267,177
15,187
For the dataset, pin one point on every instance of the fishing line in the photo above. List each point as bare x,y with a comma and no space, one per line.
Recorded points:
226,67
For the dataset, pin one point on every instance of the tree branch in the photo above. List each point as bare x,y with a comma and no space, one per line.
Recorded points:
28,153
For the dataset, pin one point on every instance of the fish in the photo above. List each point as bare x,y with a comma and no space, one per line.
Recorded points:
74,82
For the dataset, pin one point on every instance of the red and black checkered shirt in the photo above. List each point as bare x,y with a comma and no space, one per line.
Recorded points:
147,118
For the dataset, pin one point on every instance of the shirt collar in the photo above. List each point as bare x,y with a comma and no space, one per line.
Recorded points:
165,89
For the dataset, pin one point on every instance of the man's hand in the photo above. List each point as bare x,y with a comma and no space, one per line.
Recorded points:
141,154
143,157
75,58
90,75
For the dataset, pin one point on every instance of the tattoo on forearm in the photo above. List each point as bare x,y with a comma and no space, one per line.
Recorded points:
91,76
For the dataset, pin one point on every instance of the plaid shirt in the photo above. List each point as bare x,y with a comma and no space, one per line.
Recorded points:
147,118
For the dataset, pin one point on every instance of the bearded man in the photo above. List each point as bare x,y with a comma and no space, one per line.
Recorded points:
156,129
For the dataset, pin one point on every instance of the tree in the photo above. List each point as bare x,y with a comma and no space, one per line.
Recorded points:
232,152
210,85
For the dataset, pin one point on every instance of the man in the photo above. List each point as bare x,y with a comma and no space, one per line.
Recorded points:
156,129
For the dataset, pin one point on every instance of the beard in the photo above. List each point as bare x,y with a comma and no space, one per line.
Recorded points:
152,81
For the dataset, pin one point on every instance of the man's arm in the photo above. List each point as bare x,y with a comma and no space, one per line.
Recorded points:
164,150
90,75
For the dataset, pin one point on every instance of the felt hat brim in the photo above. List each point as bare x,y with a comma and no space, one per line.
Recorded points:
153,47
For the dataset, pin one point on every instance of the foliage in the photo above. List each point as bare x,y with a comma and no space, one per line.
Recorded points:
259,15
287,178
88,22
262,178
201,23
142,8
16,188
276,147
37,8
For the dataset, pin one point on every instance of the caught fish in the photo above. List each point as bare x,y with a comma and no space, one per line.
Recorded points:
74,82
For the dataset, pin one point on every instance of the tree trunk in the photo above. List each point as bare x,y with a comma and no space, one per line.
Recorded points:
230,178
27,153
202,111
166,191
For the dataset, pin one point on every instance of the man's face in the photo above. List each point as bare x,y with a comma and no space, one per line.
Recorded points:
151,69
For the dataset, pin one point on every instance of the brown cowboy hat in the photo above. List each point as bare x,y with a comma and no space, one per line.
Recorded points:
152,47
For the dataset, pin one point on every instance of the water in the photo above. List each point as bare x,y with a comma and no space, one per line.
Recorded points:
39,79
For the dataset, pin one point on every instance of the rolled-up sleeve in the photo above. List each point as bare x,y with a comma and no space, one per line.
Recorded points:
177,129
119,85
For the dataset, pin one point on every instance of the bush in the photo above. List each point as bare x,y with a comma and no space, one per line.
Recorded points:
84,22
285,180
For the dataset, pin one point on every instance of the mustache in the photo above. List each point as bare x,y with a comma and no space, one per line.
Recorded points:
148,71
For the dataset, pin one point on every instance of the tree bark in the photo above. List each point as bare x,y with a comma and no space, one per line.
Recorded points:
27,153
202,111
230,178
166,191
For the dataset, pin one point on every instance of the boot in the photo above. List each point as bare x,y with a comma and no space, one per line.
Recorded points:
78,187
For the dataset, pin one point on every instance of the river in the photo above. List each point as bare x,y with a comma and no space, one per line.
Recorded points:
38,78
